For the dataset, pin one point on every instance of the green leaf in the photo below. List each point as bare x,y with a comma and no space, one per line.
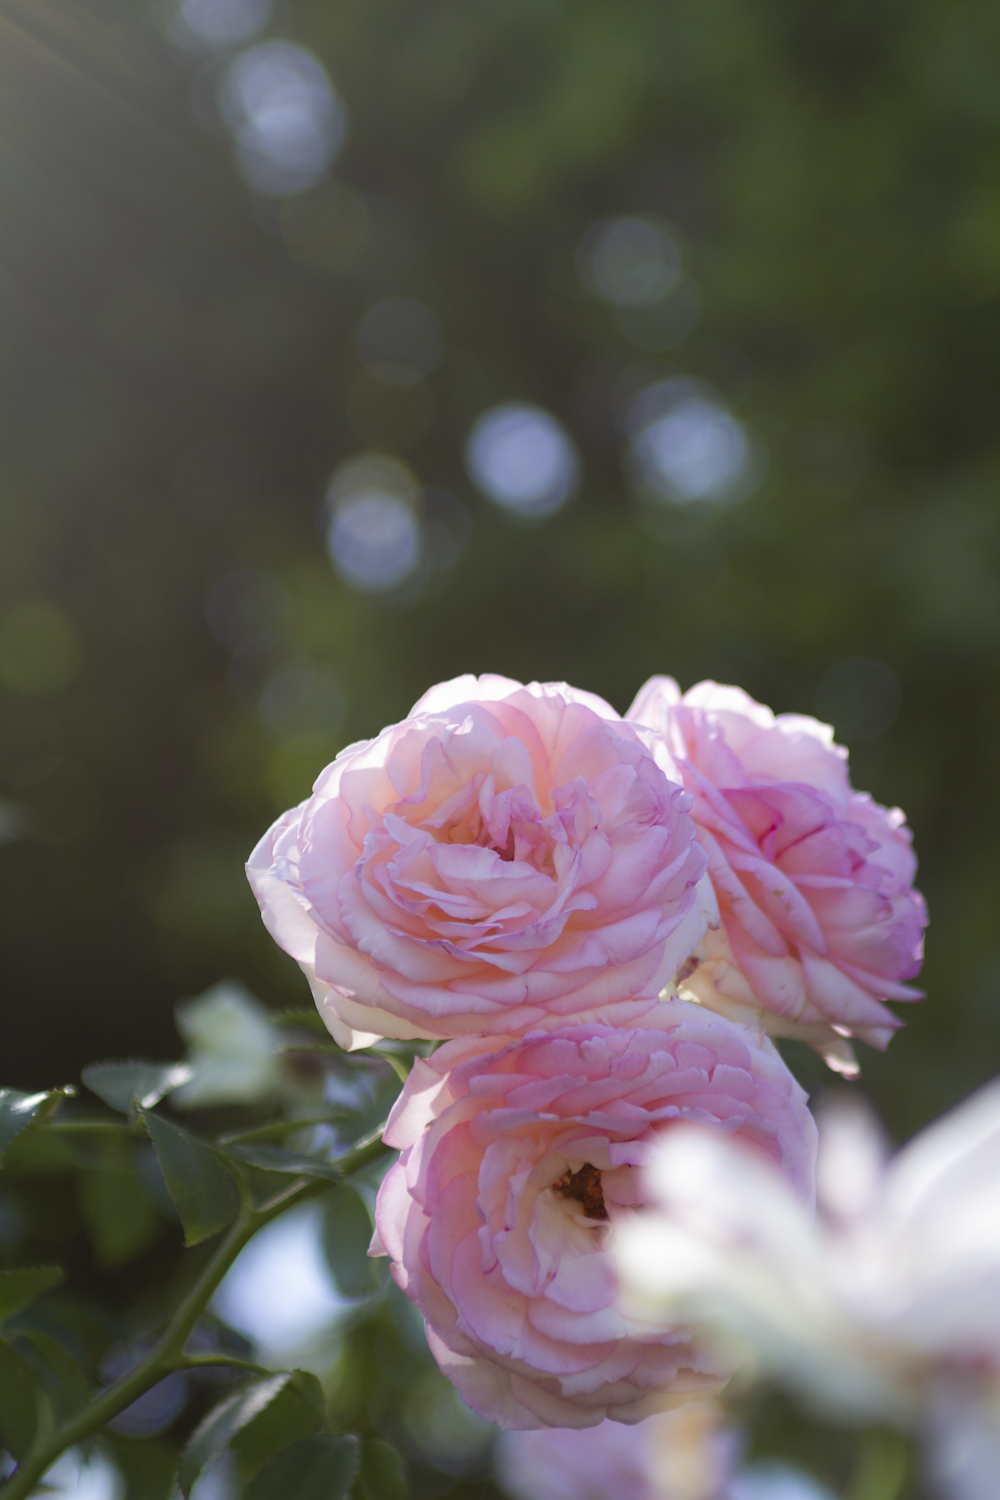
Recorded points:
18,1110
276,1159
258,1420
307,1020
381,1473
19,1288
18,1402
316,1468
202,1189
55,1370
213,1435
134,1084
120,1219
146,1466
296,1412
347,1233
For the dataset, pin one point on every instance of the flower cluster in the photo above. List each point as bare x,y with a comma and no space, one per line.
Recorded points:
604,920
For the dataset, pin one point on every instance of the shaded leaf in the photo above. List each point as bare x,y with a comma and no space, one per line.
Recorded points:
18,1402
147,1467
121,1221
316,1468
296,1412
213,1435
307,1020
18,1110
55,1370
200,1186
381,1473
311,1047
276,1159
347,1233
133,1084
20,1288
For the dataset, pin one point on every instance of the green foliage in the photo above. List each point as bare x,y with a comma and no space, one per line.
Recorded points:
181,378
201,1188
381,1475
56,1371
116,1207
18,1402
132,1085
305,1020
347,1233
316,1468
274,1159
17,1111
147,1467
18,1289
296,1411
263,1417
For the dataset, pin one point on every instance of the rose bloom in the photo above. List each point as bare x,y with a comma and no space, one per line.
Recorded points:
521,1160
506,857
820,921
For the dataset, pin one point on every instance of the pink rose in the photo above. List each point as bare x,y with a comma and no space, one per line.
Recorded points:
521,1159
819,918
506,857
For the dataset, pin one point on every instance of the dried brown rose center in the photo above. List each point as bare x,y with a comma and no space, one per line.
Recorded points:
585,1187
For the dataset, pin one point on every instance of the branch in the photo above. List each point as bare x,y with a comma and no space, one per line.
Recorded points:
168,1353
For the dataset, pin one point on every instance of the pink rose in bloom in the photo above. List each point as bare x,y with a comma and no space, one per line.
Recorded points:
521,1160
506,857
819,918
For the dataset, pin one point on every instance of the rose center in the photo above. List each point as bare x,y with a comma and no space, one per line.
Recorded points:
507,852
585,1187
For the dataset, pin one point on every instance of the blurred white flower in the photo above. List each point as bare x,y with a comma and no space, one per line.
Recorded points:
885,1309
690,1453
685,1454
771,1480
231,1047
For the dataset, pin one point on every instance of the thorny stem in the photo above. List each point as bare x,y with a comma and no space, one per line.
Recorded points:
168,1353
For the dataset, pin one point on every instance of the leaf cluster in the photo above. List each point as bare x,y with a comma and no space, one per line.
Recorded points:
143,1215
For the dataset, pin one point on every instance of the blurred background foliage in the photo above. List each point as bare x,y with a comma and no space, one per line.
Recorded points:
186,365
778,218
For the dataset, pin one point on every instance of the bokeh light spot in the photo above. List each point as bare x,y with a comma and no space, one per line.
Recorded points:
218,24
400,341
374,534
286,117
522,458
630,261
93,1477
279,1292
686,446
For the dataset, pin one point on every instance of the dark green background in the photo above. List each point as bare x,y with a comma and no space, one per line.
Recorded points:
833,174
